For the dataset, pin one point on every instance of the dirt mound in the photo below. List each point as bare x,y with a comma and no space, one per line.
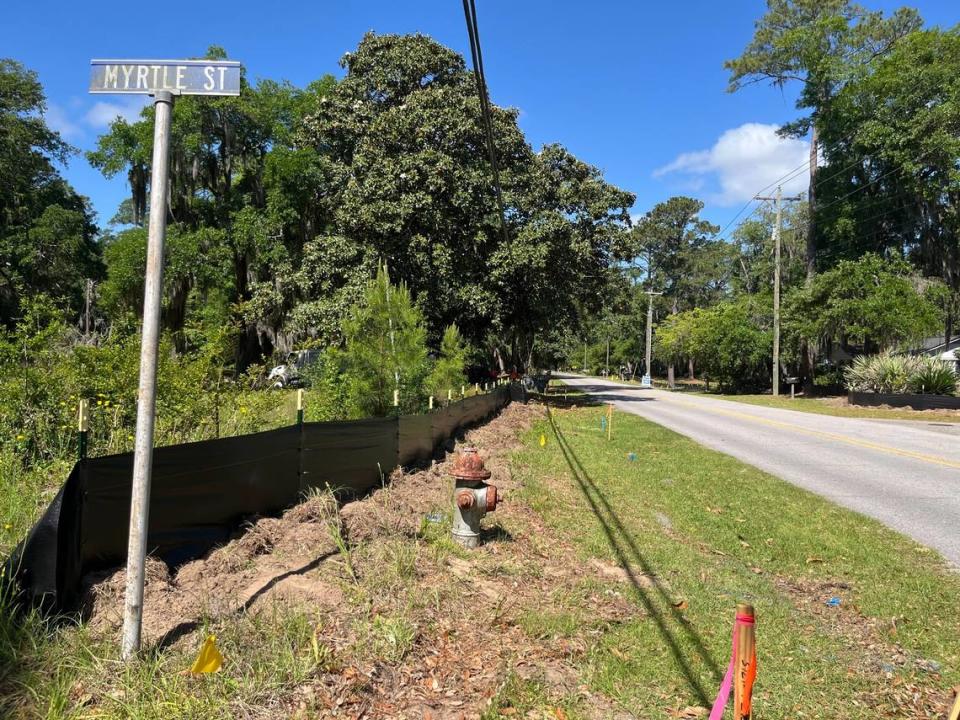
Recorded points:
264,560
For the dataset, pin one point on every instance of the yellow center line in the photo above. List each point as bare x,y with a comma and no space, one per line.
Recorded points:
933,459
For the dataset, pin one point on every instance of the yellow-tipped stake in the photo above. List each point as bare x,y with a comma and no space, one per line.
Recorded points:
83,426
300,407
543,440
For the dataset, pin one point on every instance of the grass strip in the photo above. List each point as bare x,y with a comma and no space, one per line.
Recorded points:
694,531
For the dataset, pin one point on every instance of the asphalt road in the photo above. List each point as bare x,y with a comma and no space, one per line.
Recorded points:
904,473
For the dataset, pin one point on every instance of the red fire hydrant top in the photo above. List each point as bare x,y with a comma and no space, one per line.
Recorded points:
469,466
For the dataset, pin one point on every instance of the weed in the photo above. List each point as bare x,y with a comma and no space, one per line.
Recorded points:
392,637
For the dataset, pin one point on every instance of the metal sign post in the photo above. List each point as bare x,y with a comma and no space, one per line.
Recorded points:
162,79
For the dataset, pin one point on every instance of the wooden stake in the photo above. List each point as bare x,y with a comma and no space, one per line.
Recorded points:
396,398
955,713
610,421
83,426
744,667
300,406
431,402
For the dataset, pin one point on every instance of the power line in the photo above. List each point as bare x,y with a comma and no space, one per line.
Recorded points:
470,15
792,174
897,166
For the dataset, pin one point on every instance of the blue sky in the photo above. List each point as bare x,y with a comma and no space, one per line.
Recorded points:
635,88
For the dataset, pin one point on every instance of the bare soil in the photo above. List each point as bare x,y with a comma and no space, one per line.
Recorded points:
479,620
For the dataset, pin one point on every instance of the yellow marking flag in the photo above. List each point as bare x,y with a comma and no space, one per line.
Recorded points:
209,660
543,440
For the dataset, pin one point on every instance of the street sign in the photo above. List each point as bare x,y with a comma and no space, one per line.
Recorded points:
177,77
164,79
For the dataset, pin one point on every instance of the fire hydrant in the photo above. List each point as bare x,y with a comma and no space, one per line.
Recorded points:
472,497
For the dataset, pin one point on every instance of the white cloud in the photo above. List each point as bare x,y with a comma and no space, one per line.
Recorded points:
62,121
103,113
742,161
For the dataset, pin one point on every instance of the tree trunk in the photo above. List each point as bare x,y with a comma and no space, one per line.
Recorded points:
670,376
690,373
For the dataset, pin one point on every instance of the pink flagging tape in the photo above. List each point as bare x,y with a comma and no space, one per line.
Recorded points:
723,695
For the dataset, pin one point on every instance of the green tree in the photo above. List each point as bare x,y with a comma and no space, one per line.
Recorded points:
682,258
730,341
47,234
754,265
867,305
820,44
405,132
220,177
385,349
448,370
897,188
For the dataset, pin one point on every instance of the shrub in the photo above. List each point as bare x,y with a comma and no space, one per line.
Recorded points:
934,376
893,374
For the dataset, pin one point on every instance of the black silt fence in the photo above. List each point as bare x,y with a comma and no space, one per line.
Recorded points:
200,492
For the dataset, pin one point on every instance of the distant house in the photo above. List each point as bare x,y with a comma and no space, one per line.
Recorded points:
934,346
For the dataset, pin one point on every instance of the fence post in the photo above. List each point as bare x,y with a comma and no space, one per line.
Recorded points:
300,407
83,427
744,661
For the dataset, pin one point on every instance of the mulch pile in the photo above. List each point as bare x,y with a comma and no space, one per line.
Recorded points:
468,640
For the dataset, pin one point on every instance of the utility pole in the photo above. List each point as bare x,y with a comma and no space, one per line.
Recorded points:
778,200
608,357
648,377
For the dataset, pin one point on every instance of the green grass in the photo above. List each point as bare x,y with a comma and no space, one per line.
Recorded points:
839,408
699,531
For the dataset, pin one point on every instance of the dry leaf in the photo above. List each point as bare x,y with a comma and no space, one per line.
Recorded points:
814,559
681,605
560,714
